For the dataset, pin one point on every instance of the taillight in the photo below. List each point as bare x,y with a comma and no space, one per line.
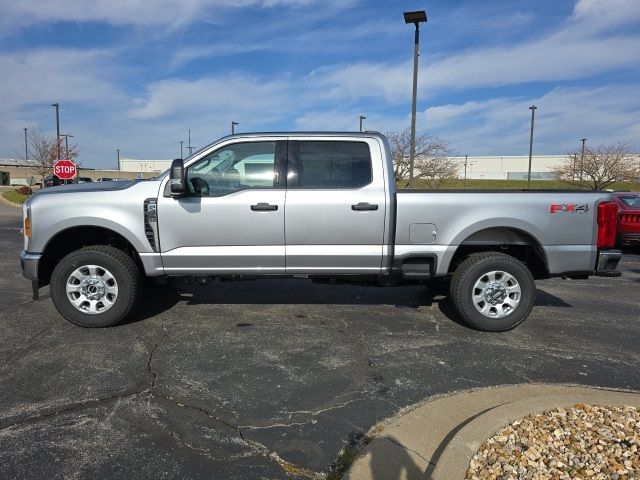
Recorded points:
607,224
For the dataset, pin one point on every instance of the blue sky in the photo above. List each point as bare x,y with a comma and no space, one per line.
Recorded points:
137,74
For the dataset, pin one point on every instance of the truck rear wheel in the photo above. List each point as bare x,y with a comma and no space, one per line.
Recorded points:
493,291
95,286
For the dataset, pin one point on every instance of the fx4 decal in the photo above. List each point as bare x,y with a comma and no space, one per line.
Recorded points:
569,208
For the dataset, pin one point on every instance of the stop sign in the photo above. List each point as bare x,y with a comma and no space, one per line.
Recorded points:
64,169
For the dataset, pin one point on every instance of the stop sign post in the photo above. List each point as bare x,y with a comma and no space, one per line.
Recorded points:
64,169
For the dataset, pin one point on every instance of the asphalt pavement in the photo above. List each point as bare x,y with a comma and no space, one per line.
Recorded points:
269,379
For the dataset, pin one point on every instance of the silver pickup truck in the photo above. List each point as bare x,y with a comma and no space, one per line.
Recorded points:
322,206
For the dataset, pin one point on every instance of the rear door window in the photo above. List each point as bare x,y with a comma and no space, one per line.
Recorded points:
333,165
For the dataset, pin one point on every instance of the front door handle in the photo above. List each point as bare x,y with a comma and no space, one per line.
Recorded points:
359,207
264,207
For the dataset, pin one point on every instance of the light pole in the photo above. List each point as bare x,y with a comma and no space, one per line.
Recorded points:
466,161
66,143
26,149
583,140
57,106
533,114
233,127
181,142
416,18
118,154
362,117
189,147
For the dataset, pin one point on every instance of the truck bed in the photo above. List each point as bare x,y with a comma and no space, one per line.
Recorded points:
562,223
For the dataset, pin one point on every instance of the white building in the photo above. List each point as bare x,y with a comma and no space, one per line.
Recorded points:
489,167
508,167
143,166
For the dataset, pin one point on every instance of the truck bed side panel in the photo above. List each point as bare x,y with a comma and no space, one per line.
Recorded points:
567,236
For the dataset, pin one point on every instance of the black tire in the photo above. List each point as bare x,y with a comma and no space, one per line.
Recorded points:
471,271
121,267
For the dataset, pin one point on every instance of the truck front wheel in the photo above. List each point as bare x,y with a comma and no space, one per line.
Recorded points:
493,291
95,286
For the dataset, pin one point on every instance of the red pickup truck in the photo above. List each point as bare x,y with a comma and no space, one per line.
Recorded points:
628,217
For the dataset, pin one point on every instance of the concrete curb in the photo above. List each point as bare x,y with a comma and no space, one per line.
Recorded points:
437,439
4,200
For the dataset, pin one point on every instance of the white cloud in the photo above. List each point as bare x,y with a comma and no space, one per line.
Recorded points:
172,13
231,95
578,49
49,75
501,125
603,14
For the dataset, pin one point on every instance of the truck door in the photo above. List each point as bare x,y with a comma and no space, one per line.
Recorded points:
232,219
335,207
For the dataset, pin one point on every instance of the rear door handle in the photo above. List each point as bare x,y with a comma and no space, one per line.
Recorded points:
364,206
264,207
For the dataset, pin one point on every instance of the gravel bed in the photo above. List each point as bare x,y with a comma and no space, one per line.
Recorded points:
581,442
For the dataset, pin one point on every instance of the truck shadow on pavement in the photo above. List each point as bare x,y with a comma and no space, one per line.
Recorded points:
161,298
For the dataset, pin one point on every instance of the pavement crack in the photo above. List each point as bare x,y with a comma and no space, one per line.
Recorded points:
394,441
73,407
256,447
152,354
315,413
17,305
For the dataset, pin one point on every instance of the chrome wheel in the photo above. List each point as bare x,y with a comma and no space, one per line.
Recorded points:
496,294
92,289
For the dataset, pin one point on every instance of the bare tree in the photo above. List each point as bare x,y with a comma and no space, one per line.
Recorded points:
602,166
40,146
43,151
433,164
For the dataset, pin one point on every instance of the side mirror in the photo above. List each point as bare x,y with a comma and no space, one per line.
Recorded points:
177,179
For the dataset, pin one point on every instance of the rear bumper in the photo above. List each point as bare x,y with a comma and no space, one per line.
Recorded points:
608,262
29,265
629,238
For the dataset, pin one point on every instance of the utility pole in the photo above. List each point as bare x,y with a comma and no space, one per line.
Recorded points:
118,154
533,114
583,140
57,106
416,18
233,127
66,143
26,148
181,142
189,148
362,117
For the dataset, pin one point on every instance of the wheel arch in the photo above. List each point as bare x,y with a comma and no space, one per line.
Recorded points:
74,238
511,240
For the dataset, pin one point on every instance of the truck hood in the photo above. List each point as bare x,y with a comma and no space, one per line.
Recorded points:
89,187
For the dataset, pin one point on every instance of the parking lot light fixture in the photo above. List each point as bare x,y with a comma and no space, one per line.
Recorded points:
415,17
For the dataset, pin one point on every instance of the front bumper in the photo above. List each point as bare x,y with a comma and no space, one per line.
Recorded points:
29,264
607,262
